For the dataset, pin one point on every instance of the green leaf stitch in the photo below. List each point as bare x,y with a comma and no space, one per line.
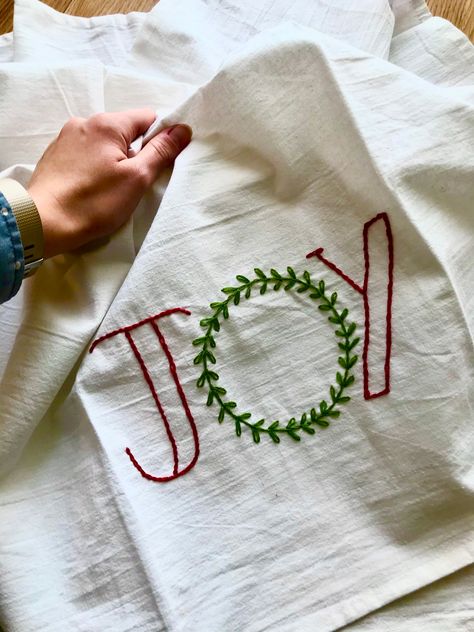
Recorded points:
319,415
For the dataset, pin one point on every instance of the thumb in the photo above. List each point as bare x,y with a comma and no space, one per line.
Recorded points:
161,151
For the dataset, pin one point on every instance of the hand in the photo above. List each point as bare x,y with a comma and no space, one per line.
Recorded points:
85,186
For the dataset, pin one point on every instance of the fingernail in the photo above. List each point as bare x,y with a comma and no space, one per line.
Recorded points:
180,134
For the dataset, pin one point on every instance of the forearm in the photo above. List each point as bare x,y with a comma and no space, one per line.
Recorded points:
84,188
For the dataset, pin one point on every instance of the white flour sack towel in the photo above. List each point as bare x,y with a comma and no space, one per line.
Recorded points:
250,410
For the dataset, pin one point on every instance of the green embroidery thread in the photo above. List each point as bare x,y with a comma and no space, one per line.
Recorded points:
320,415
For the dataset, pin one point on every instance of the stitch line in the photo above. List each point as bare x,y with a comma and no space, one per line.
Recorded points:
388,313
150,477
173,370
319,254
368,394
182,396
156,399
347,361
149,319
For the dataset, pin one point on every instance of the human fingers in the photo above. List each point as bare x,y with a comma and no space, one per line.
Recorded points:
129,123
160,152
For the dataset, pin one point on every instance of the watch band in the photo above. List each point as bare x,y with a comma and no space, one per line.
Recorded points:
29,223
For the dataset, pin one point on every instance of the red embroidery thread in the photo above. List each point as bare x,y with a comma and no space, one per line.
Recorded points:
148,379
151,386
319,254
149,319
364,291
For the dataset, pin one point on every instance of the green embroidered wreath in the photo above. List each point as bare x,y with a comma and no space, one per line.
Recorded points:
317,416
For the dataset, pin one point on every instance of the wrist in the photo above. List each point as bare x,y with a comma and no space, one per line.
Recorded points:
58,237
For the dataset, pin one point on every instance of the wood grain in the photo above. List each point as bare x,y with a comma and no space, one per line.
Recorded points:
85,8
460,12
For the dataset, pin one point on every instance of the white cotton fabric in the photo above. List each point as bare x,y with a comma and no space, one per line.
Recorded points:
445,606
45,35
6,47
308,120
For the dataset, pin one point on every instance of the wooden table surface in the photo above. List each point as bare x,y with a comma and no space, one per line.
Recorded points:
460,12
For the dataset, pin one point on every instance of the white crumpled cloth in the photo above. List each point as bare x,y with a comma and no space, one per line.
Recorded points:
309,119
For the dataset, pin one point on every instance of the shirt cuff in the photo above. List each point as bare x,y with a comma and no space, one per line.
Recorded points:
12,262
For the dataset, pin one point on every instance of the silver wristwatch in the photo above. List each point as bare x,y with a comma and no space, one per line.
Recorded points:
29,223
